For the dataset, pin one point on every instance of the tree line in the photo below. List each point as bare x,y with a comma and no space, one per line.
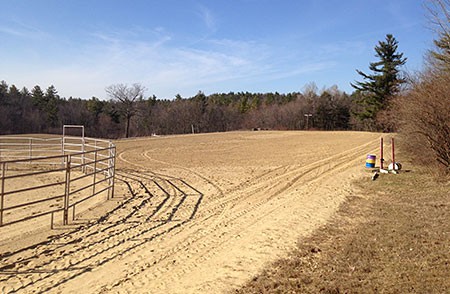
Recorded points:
385,100
129,113
421,113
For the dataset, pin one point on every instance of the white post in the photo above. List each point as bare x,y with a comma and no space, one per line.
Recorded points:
307,115
67,192
111,170
95,173
62,146
83,160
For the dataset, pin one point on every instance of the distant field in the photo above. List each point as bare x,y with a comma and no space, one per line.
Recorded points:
198,213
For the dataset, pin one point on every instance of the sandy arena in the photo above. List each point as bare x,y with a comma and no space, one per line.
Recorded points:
192,214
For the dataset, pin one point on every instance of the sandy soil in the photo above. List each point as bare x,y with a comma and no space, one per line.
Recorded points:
196,213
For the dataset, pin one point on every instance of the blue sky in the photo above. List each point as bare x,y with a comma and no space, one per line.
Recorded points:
185,46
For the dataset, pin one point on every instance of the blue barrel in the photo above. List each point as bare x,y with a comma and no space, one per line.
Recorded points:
370,161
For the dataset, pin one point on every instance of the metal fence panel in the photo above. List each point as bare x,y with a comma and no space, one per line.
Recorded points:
93,157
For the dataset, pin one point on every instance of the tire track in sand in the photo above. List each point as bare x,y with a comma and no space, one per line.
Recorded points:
202,243
189,241
77,253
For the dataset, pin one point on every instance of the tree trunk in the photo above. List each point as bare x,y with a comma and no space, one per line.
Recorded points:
127,126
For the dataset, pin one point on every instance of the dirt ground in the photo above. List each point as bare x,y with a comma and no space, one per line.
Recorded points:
393,236
194,214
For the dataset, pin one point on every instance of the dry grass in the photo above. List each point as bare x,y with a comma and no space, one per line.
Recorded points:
392,237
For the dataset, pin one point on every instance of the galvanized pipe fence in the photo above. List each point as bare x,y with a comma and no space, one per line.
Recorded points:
82,169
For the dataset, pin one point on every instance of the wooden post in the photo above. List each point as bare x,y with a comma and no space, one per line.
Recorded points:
381,155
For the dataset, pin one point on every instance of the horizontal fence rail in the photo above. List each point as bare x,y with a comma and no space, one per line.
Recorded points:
82,169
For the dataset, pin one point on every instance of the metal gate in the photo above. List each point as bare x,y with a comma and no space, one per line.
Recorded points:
84,168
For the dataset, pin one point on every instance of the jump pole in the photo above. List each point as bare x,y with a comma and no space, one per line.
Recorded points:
393,153
381,153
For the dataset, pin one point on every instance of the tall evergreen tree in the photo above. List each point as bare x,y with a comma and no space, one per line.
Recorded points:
51,108
384,82
95,106
38,97
442,52
3,91
440,16
14,93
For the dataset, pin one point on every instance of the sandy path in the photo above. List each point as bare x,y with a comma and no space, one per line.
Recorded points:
206,213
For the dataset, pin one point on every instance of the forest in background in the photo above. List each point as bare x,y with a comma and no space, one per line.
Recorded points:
129,113
44,111
384,100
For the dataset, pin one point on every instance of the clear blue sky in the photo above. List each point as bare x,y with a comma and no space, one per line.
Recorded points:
183,46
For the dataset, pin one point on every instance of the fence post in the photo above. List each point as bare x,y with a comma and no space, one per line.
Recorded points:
2,200
30,152
67,191
83,155
111,169
62,148
95,172
51,221
108,172
393,154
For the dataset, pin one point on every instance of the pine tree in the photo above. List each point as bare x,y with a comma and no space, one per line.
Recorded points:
439,16
51,108
384,82
38,97
3,92
95,106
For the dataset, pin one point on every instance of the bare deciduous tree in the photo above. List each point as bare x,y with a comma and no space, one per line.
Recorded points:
127,97
424,119
439,15
424,112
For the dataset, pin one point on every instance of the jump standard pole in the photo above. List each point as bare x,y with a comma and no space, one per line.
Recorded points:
393,153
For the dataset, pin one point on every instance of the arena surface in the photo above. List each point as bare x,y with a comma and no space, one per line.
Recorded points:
194,213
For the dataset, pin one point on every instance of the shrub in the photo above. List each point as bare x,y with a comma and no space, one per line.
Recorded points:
423,118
